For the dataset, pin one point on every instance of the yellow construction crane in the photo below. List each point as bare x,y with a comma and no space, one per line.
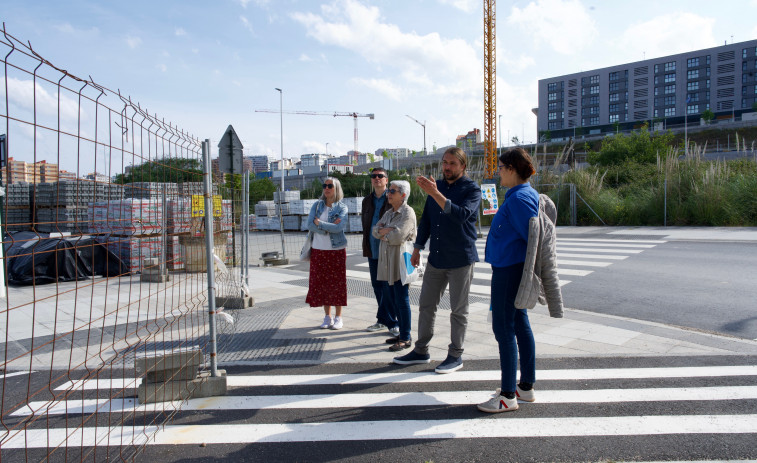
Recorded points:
490,89
317,113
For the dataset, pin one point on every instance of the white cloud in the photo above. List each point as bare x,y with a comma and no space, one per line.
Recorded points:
662,35
382,86
133,42
465,5
305,58
260,3
162,67
28,95
565,25
180,32
450,65
246,23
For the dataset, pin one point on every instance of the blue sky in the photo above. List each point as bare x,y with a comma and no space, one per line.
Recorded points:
204,65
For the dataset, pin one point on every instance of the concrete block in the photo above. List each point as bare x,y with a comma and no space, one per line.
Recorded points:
151,362
186,373
202,386
235,302
154,277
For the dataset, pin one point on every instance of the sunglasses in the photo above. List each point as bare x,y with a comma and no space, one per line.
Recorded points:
328,185
378,175
392,190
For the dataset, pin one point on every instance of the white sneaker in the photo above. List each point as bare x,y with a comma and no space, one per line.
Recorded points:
498,404
375,327
326,322
337,325
526,396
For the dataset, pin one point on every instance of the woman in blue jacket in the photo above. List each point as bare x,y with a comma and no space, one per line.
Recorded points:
328,256
506,252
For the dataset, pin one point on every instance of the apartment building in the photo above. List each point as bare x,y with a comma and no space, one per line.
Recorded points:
30,172
670,90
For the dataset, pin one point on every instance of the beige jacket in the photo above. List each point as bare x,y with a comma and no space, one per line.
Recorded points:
390,250
540,281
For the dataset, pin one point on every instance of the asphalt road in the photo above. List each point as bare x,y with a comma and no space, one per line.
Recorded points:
706,285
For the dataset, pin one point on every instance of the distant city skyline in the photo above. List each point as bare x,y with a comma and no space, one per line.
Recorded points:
203,66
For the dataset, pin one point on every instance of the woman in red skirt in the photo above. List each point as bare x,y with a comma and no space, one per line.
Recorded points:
328,255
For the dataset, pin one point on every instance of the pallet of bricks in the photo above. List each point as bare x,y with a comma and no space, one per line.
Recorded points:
63,206
302,207
354,208
18,207
132,228
190,231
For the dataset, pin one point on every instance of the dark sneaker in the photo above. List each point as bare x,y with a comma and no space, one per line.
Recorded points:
450,364
412,358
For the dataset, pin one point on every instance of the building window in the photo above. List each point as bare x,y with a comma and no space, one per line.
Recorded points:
552,116
707,71
708,60
692,109
583,91
552,87
614,97
670,88
657,91
670,100
692,97
743,65
656,80
743,102
594,120
692,62
552,96
594,79
614,87
670,77
670,66
614,108
691,86
693,74
708,83
613,75
656,68
743,53
614,118
656,113
670,112
594,89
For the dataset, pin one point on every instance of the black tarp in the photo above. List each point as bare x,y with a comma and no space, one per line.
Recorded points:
35,258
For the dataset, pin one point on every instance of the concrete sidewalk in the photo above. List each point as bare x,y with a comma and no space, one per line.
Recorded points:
579,333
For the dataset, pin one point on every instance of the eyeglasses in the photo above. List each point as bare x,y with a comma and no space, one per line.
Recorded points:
328,185
392,190
378,175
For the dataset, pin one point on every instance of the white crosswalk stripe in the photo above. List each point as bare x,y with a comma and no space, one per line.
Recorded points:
574,256
245,398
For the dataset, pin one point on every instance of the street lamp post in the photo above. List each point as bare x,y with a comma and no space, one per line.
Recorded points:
422,124
327,149
281,193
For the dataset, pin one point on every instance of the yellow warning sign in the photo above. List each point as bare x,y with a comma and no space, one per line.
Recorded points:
198,206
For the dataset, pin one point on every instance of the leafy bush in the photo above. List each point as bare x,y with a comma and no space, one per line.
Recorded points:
640,146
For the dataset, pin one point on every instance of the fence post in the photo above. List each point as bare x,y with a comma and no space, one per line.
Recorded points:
572,190
665,203
245,230
209,241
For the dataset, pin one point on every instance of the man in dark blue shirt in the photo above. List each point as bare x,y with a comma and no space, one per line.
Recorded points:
449,222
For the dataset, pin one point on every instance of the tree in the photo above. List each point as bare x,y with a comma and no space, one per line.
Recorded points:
413,153
165,170
372,157
640,146
515,140
261,189
708,115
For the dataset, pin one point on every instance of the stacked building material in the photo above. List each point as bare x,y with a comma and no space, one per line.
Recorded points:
126,217
301,206
18,208
288,196
174,254
133,250
355,224
179,215
150,190
292,222
63,219
187,189
354,205
265,208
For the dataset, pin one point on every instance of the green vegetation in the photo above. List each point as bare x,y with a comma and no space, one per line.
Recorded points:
176,170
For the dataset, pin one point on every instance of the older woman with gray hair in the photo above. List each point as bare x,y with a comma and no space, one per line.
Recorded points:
397,226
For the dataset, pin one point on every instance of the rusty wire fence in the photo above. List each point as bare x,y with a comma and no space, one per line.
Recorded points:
103,261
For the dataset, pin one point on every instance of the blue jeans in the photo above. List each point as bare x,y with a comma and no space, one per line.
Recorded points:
510,325
386,314
400,295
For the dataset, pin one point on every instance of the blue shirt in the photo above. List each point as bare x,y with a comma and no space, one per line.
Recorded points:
378,203
508,236
452,230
